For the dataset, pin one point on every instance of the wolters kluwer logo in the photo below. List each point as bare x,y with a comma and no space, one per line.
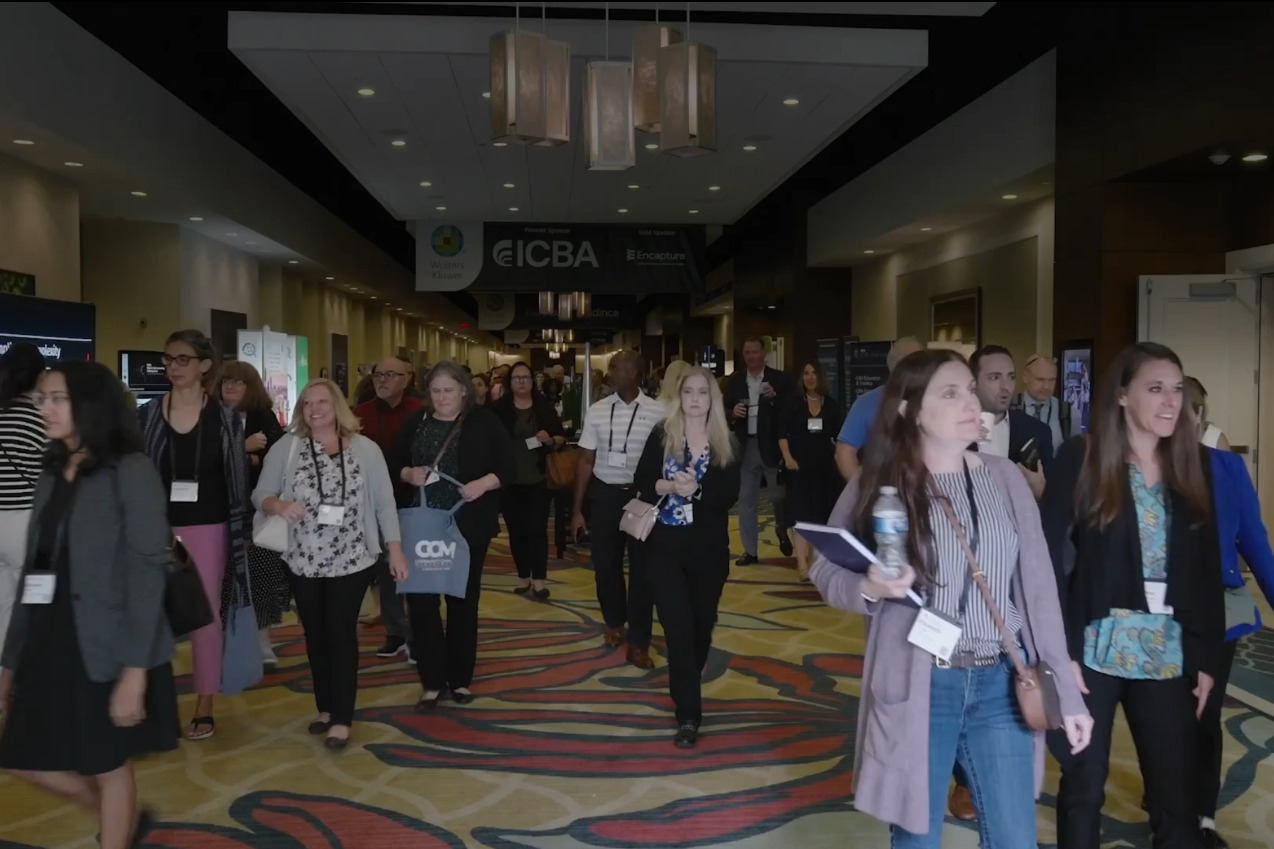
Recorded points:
447,240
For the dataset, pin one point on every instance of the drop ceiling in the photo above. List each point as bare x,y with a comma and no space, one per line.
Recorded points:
429,73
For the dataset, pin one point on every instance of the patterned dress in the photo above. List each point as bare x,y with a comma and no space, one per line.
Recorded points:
328,551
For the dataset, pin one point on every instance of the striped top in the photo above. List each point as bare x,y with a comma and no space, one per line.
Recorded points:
997,553
22,442
618,433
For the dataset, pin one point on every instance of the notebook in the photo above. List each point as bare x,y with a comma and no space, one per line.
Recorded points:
846,551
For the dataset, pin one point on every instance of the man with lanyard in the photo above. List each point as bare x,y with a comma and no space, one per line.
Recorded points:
1040,401
382,418
611,441
755,397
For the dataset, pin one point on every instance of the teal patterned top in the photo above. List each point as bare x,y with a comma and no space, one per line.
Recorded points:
1132,643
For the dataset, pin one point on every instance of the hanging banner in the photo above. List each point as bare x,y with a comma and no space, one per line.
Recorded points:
522,311
505,257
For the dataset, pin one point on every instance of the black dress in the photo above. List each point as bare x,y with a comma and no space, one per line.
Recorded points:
813,489
271,590
61,720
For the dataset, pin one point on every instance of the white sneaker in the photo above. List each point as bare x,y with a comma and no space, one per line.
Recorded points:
410,657
268,657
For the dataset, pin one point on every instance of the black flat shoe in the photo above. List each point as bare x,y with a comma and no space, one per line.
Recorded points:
746,560
336,743
687,735
785,545
320,726
541,595
461,698
1209,839
522,590
425,704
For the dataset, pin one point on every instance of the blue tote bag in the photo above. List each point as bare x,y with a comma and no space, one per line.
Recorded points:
241,662
437,553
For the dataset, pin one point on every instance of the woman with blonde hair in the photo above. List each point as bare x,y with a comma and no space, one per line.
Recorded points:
690,469
671,384
333,487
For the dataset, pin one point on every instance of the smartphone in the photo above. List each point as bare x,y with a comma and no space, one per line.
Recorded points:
1030,455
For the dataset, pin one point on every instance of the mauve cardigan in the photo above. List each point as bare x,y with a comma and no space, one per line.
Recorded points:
891,758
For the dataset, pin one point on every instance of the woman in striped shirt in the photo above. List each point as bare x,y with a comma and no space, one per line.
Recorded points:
22,443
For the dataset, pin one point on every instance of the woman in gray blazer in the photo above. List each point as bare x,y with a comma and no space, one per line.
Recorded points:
927,705
86,664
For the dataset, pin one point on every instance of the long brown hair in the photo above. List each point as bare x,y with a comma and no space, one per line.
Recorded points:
1099,494
820,378
894,456
255,398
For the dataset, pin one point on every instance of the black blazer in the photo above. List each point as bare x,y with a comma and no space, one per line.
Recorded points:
484,448
719,488
260,421
546,418
1101,569
767,415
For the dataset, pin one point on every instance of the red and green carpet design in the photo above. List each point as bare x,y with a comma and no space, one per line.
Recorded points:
567,747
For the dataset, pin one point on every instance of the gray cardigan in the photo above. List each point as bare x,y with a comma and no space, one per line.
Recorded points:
279,472
891,769
118,536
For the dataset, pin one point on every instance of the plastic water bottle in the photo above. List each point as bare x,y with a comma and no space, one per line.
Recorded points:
889,520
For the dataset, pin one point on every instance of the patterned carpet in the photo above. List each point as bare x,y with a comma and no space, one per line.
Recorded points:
569,748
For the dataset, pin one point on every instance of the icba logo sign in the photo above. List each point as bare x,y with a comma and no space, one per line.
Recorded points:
538,253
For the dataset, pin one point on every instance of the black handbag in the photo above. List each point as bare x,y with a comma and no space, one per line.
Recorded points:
185,601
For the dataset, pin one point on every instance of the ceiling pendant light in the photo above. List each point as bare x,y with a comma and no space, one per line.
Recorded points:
609,140
647,42
530,88
688,98
548,303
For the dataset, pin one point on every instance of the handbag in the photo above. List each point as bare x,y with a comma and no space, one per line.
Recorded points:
185,602
560,466
639,518
437,553
1035,686
273,532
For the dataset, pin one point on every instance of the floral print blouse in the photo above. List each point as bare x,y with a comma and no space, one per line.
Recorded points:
1133,643
328,551
673,510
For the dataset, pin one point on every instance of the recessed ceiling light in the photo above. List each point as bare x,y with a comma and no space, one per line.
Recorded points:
869,252
399,142
925,229
652,146
73,164
195,218
23,141
693,211
138,194
513,209
425,184
333,278
441,208
1256,157
486,95
633,186
791,101
714,188
366,92
1009,197
293,262
508,185
499,144
374,298
622,211
749,147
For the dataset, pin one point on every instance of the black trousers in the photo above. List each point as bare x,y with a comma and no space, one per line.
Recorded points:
632,605
1207,768
687,574
1161,717
328,609
526,514
392,611
445,658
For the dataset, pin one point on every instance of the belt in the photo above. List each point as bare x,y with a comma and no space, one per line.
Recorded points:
967,660
622,487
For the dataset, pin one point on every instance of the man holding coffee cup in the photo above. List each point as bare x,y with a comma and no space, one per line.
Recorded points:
1005,432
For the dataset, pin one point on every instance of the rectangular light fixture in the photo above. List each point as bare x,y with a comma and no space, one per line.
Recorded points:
647,42
609,141
530,89
688,99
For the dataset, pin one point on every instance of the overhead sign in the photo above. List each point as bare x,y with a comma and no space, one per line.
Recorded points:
521,311
500,257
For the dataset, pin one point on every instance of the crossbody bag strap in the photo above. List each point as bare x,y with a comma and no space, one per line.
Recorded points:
979,578
451,434
12,462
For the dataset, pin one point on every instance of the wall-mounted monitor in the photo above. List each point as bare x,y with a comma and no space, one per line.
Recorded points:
143,371
62,330
1075,378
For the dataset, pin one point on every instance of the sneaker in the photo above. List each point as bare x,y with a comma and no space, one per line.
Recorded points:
269,659
411,658
687,735
393,645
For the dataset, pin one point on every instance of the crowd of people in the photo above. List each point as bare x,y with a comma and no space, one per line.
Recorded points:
1105,563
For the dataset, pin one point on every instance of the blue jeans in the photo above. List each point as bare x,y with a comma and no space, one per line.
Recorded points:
974,720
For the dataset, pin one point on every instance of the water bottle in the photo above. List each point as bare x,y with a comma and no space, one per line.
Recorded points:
889,519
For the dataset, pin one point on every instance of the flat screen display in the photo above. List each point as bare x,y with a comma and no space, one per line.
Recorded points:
1077,379
143,371
62,330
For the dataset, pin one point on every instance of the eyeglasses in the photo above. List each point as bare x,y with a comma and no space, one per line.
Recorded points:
57,399
182,360
522,378
387,375
232,383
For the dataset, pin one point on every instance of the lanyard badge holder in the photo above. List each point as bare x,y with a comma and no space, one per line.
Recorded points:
932,631
619,461
183,491
329,513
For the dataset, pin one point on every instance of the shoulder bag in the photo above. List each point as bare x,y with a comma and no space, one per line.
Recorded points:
1036,686
273,532
560,466
639,518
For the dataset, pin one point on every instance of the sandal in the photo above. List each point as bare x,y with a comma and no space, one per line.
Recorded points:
209,721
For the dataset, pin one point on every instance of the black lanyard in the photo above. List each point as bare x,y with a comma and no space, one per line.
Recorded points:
610,445
318,469
974,538
172,444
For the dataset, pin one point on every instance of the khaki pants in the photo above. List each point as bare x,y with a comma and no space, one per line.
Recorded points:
13,549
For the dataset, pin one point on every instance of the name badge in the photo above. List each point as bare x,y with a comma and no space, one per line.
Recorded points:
815,425
617,461
688,513
38,588
532,442
935,634
331,514
1157,597
184,492
432,478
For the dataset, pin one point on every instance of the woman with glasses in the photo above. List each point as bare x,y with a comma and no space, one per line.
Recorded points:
22,441
534,429
197,444
87,661
240,388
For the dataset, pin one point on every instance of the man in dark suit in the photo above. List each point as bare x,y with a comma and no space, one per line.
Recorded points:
753,398
996,377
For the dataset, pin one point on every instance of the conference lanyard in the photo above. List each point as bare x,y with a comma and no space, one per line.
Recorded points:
172,444
318,469
610,445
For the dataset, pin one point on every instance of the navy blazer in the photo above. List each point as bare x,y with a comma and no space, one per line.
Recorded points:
768,413
1241,530
1024,427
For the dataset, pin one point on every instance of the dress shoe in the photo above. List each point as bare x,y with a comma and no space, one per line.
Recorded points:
426,703
785,545
614,637
746,560
639,656
521,590
320,726
1209,839
461,697
687,735
541,594
961,804
336,743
